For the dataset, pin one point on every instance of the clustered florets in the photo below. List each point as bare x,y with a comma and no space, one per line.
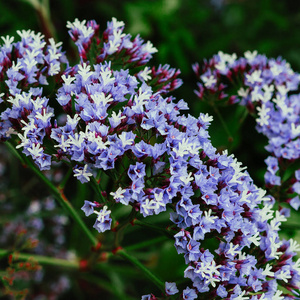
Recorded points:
118,118
267,88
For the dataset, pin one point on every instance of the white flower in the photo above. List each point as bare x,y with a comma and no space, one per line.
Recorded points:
294,246
102,214
101,98
266,213
106,77
256,94
276,222
118,194
147,206
54,69
209,81
243,92
232,250
117,117
83,172
295,130
274,247
267,271
241,296
84,71
255,239
77,140
254,77
24,141
158,200
250,55
282,89
7,40
209,217
53,44
117,23
263,115
186,179
278,296
124,140
144,75
148,47
76,24
142,97
67,79
63,144
36,150
283,275
45,117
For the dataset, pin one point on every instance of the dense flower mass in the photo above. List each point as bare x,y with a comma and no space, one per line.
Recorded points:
267,88
119,121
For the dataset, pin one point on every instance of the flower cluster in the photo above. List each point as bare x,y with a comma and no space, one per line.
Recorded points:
265,87
120,123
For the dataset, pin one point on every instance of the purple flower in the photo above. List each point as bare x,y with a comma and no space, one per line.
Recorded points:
171,288
88,207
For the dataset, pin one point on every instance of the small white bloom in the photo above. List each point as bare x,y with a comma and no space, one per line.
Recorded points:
102,214
148,48
209,81
278,296
283,275
116,23
36,150
101,98
83,172
294,246
84,71
263,116
54,69
124,140
45,117
209,217
7,40
63,144
267,271
266,213
118,194
106,77
67,79
254,77
255,239
250,55
243,92
232,250
144,75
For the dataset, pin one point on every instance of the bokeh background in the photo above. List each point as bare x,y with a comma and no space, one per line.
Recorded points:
184,32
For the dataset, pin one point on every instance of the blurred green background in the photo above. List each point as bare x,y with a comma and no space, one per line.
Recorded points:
185,32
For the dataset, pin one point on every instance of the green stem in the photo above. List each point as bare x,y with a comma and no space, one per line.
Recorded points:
59,196
142,268
216,110
43,260
157,228
97,189
120,228
145,244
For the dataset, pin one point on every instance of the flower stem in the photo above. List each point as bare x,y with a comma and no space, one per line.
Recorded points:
59,196
216,110
43,260
157,228
142,268
147,243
